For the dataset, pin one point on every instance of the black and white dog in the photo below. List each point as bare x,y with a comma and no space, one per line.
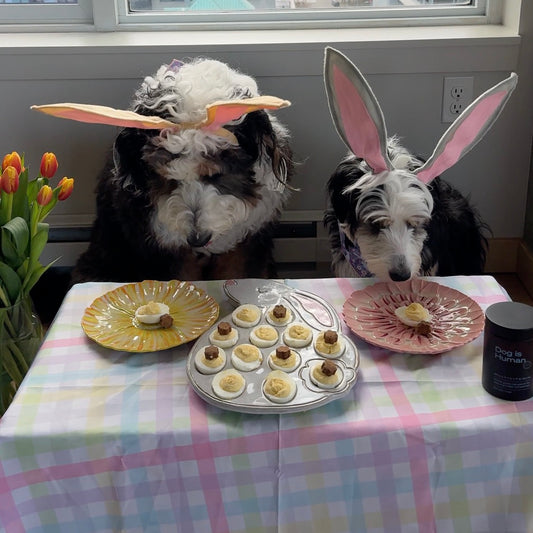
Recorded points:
390,215
196,182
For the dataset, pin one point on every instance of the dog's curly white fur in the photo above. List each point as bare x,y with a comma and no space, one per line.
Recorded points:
190,204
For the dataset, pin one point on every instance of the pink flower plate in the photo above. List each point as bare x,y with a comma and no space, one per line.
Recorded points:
456,318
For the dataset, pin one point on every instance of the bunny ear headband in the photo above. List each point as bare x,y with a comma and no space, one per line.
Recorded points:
217,114
359,120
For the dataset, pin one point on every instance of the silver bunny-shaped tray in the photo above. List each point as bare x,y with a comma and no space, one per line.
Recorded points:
305,308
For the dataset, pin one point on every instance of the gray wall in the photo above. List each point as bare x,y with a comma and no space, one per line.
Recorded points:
407,77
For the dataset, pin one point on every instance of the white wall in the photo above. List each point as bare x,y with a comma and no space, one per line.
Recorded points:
405,68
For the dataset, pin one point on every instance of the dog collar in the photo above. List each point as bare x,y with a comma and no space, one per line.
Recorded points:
352,254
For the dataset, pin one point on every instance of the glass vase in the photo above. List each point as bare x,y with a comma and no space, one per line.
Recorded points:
21,335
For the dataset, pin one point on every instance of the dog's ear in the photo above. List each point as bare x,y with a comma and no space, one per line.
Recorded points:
355,111
468,129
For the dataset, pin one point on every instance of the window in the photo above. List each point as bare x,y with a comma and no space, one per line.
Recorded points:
106,15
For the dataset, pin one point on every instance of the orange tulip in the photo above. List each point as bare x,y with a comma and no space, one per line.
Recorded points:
66,184
48,165
44,196
12,160
10,180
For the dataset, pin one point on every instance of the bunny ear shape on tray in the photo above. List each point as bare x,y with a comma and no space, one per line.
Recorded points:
355,111
468,129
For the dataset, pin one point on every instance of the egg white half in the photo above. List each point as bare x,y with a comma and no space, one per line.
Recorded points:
150,317
296,342
286,379
274,361
278,321
254,311
340,345
246,366
224,341
224,394
255,337
400,312
203,368
338,374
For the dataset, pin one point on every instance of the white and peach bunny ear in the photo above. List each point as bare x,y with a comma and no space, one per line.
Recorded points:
467,130
218,114
355,111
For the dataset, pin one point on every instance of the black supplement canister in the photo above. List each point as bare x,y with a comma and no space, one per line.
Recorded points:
508,351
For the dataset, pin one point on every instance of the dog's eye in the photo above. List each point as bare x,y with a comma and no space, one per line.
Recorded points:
377,225
415,223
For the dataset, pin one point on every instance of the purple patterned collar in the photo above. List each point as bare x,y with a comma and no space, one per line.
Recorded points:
352,254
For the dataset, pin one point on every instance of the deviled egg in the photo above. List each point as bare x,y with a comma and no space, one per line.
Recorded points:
151,313
278,315
297,335
329,344
228,384
325,374
413,314
210,359
264,336
246,357
224,335
279,387
283,358
246,315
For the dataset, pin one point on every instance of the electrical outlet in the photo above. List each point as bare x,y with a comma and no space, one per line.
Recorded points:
457,95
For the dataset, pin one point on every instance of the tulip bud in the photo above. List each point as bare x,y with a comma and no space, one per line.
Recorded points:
48,165
44,196
12,160
66,185
10,180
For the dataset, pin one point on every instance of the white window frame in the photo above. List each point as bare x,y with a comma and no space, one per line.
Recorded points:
80,13
112,15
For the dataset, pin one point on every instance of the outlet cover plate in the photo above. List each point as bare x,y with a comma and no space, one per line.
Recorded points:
457,95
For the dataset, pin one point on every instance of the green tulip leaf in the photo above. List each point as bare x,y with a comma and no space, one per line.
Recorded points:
38,242
10,281
15,237
20,200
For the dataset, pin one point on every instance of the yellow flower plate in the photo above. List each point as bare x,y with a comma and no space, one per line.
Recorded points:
110,320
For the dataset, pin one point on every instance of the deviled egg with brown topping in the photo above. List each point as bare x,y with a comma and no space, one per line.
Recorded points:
246,315
325,374
413,314
264,336
278,315
284,359
151,313
246,357
279,387
297,335
329,344
228,384
224,335
210,359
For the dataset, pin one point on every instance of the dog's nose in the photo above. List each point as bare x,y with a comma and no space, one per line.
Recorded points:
399,270
197,240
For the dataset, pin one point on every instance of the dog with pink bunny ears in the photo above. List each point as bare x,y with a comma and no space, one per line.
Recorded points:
390,215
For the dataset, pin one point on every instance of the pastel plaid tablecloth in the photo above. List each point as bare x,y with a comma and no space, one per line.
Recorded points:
104,441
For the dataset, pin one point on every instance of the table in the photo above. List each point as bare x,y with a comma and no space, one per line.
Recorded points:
104,441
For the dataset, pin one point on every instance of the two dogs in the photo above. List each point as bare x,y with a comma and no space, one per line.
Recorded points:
195,198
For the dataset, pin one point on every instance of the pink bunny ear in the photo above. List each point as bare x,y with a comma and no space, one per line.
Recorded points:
217,114
98,114
467,130
355,111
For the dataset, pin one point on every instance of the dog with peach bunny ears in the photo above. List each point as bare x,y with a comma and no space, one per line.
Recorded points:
197,180
390,215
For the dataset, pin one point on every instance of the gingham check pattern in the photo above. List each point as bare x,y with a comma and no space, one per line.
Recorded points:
104,441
